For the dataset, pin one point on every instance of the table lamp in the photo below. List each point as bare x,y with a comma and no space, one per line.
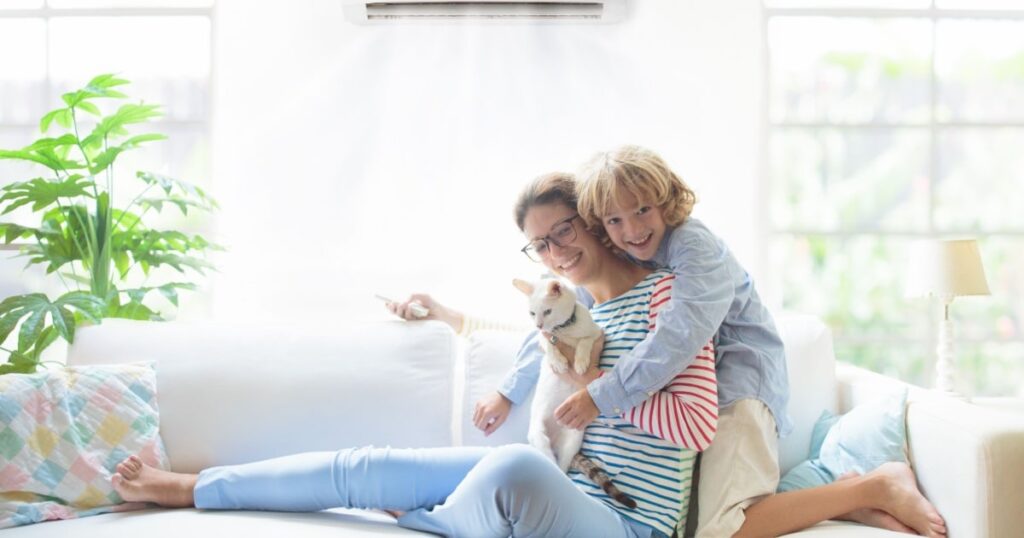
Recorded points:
946,268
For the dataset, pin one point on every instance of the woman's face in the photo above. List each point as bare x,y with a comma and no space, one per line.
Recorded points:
577,260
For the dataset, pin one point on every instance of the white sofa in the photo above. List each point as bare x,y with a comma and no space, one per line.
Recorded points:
232,394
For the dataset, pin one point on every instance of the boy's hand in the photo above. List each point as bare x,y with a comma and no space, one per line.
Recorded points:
577,411
491,412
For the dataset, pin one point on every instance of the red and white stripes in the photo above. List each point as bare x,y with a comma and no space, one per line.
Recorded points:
684,412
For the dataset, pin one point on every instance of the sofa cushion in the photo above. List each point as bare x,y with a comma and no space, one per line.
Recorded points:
235,393
488,357
811,365
159,523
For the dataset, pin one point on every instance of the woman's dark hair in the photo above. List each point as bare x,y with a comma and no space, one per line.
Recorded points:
553,188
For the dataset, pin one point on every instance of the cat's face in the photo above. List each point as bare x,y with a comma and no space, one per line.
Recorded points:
551,303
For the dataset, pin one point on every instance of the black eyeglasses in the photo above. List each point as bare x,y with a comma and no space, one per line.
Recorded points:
563,233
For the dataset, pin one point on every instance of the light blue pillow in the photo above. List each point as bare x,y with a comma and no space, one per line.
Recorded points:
811,472
864,438
869,435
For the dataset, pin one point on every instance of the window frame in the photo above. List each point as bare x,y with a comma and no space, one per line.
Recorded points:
935,128
47,13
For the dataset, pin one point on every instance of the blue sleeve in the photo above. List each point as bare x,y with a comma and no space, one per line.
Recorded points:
520,380
702,293
584,297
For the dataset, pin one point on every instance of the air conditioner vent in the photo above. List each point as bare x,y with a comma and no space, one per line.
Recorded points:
600,11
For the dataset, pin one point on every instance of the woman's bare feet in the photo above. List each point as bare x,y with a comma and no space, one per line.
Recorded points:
899,497
136,481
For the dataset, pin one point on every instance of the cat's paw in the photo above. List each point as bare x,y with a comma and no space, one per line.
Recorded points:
581,367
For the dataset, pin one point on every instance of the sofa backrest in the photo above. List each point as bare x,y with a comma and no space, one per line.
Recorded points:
809,359
235,393
232,393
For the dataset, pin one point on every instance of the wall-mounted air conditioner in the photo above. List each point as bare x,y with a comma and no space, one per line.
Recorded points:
552,11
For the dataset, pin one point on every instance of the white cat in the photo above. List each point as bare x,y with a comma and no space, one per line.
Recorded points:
554,309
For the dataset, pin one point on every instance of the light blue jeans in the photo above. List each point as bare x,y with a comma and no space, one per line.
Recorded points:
465,491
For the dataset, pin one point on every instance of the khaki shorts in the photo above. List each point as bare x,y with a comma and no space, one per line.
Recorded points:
739,468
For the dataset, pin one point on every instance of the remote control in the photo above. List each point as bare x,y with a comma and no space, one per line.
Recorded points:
418,310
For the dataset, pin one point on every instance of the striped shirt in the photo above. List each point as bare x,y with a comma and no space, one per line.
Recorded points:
649,451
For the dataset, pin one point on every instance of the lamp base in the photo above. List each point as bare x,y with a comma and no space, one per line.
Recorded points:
945,367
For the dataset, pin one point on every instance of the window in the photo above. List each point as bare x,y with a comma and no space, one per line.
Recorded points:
52,46
890,122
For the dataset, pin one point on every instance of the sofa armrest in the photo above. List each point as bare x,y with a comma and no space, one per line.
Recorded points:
968,458
969,462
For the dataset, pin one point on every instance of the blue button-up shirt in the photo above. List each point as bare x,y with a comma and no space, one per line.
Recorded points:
712,296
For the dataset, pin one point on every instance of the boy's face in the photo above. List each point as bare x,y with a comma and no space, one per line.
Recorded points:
636,226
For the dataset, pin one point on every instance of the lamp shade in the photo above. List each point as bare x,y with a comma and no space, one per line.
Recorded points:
946,268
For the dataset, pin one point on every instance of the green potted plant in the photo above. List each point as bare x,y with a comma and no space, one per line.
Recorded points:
101,254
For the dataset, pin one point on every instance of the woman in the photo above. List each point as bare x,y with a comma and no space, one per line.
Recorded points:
474,491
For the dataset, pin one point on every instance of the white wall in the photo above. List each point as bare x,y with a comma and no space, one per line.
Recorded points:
352,159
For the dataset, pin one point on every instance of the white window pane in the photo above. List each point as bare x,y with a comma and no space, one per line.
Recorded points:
980,4
981,180
166,58
831,4
22,70
849,179
855,284
128,3
991,368
980,65
16,137
849,70
20,4
910,361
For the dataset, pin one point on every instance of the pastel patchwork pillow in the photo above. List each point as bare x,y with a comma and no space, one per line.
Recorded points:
62,433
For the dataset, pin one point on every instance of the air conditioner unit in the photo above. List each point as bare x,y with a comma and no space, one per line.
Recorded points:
551,11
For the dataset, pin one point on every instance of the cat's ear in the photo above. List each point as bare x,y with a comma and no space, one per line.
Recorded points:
554,288
523,286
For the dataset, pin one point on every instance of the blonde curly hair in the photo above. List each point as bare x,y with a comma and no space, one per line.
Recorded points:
638,171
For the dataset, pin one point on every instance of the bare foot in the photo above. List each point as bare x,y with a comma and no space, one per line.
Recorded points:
872,517
900,498
136,481
876,518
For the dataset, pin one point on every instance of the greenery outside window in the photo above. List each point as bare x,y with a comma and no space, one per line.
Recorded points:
889,122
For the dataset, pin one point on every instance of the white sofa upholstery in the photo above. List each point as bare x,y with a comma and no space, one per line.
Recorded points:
230,394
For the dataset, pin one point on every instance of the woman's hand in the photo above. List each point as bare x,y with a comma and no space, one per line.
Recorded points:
577,411
491,412
437,311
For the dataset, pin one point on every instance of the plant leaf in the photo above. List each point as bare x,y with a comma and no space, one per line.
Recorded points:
7,325
42,192
126,115
44,123
13,232
89,305
90,108
31,327
46,338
